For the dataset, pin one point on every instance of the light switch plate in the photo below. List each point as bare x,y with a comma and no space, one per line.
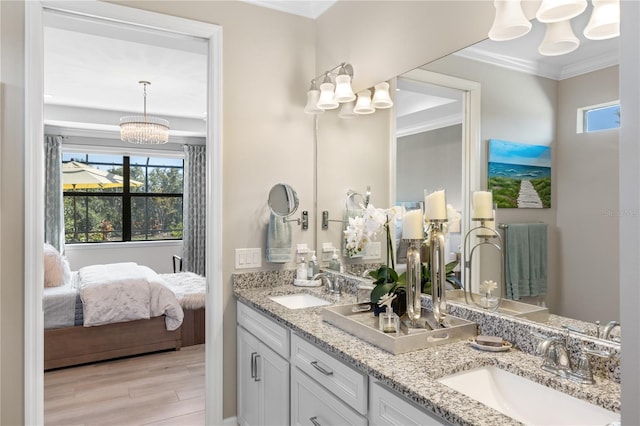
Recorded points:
248,258
373,251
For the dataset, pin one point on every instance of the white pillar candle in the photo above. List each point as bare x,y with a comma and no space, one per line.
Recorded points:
491,224
412,225
482,205
436,206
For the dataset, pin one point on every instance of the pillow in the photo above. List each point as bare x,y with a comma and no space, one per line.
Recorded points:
56,267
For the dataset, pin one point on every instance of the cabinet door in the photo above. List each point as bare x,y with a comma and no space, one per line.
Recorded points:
387,408
273,376
313,405
248,388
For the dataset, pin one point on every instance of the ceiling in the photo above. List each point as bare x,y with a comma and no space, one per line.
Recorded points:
92,69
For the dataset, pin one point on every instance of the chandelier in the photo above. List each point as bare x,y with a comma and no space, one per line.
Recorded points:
144,129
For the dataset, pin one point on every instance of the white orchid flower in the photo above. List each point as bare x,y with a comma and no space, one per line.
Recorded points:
488,286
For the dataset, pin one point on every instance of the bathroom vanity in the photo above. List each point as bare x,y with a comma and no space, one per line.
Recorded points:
295,368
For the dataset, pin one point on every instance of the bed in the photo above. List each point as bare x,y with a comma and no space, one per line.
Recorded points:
85,323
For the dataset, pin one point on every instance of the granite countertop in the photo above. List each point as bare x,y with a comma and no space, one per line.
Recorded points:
415,374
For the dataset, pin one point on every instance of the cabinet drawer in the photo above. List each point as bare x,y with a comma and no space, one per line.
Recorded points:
313,405
387,408
347,383
265,329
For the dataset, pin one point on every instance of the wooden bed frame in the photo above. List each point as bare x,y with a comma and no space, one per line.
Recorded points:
64,347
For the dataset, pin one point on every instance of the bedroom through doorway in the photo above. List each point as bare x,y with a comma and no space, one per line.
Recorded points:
100,41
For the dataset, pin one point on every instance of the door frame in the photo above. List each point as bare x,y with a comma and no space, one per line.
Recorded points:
34,191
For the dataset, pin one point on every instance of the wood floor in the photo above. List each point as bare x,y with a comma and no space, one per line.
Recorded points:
165,388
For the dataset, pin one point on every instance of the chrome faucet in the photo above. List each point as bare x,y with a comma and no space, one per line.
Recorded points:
606,331
556,359
555,355
334,287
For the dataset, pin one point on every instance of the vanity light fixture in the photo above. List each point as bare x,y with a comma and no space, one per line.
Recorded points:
144,129
313,95
363,105
331,95
381,98
327,96
346,111
560,10
605,20
344,92
558,39
510,23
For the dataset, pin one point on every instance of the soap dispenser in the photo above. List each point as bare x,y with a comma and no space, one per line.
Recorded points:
312,267
335,262
301,270
389,321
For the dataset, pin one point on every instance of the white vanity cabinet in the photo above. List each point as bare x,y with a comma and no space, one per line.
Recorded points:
262,369
284,379
312,404
388,408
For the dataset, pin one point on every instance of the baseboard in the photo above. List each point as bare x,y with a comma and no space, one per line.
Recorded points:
230,421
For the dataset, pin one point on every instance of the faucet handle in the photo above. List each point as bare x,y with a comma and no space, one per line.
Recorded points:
601,354
583,372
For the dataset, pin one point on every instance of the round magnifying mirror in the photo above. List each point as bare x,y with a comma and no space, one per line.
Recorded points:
283,200
355,201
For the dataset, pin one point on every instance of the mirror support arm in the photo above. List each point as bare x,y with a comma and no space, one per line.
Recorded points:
304,221
326,220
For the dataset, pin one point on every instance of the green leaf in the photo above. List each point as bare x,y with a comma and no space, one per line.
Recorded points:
450,266
380,290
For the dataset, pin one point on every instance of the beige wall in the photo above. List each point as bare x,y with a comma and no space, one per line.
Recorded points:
12,217
588,202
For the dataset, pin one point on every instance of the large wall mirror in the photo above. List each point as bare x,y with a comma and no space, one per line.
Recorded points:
535,100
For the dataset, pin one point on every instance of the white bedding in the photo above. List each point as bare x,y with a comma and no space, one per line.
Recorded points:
59,304
120,292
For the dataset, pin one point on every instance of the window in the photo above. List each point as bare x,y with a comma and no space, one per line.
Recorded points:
599,117
121,198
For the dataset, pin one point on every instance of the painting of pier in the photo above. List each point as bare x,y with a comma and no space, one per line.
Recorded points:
519,175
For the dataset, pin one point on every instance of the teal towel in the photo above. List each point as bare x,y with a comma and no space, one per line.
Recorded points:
537,259
517,261
526,260
278,240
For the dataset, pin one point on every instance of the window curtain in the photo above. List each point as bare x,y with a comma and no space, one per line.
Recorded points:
53,203
194,217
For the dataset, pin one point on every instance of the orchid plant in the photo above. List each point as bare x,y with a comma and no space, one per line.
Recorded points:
364,229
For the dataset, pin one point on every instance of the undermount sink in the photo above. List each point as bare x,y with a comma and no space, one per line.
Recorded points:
299,301
526,401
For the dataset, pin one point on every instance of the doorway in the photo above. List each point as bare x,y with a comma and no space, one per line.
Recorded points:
34,187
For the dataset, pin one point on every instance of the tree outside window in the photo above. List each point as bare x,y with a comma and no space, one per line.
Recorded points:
137,199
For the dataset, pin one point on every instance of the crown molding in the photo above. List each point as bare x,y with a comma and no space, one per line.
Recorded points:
538,68
438,123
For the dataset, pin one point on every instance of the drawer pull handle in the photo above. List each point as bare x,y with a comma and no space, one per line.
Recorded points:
253,365
257,377
314,421
320,369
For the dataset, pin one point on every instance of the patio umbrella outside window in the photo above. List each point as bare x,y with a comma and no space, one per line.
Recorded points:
77,175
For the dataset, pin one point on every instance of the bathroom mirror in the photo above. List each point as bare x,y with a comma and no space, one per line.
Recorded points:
283,200
521,107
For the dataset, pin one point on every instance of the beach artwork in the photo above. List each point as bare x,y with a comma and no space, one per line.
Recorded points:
519,175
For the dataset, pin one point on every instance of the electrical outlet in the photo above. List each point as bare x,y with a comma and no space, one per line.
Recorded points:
248,258
373,251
